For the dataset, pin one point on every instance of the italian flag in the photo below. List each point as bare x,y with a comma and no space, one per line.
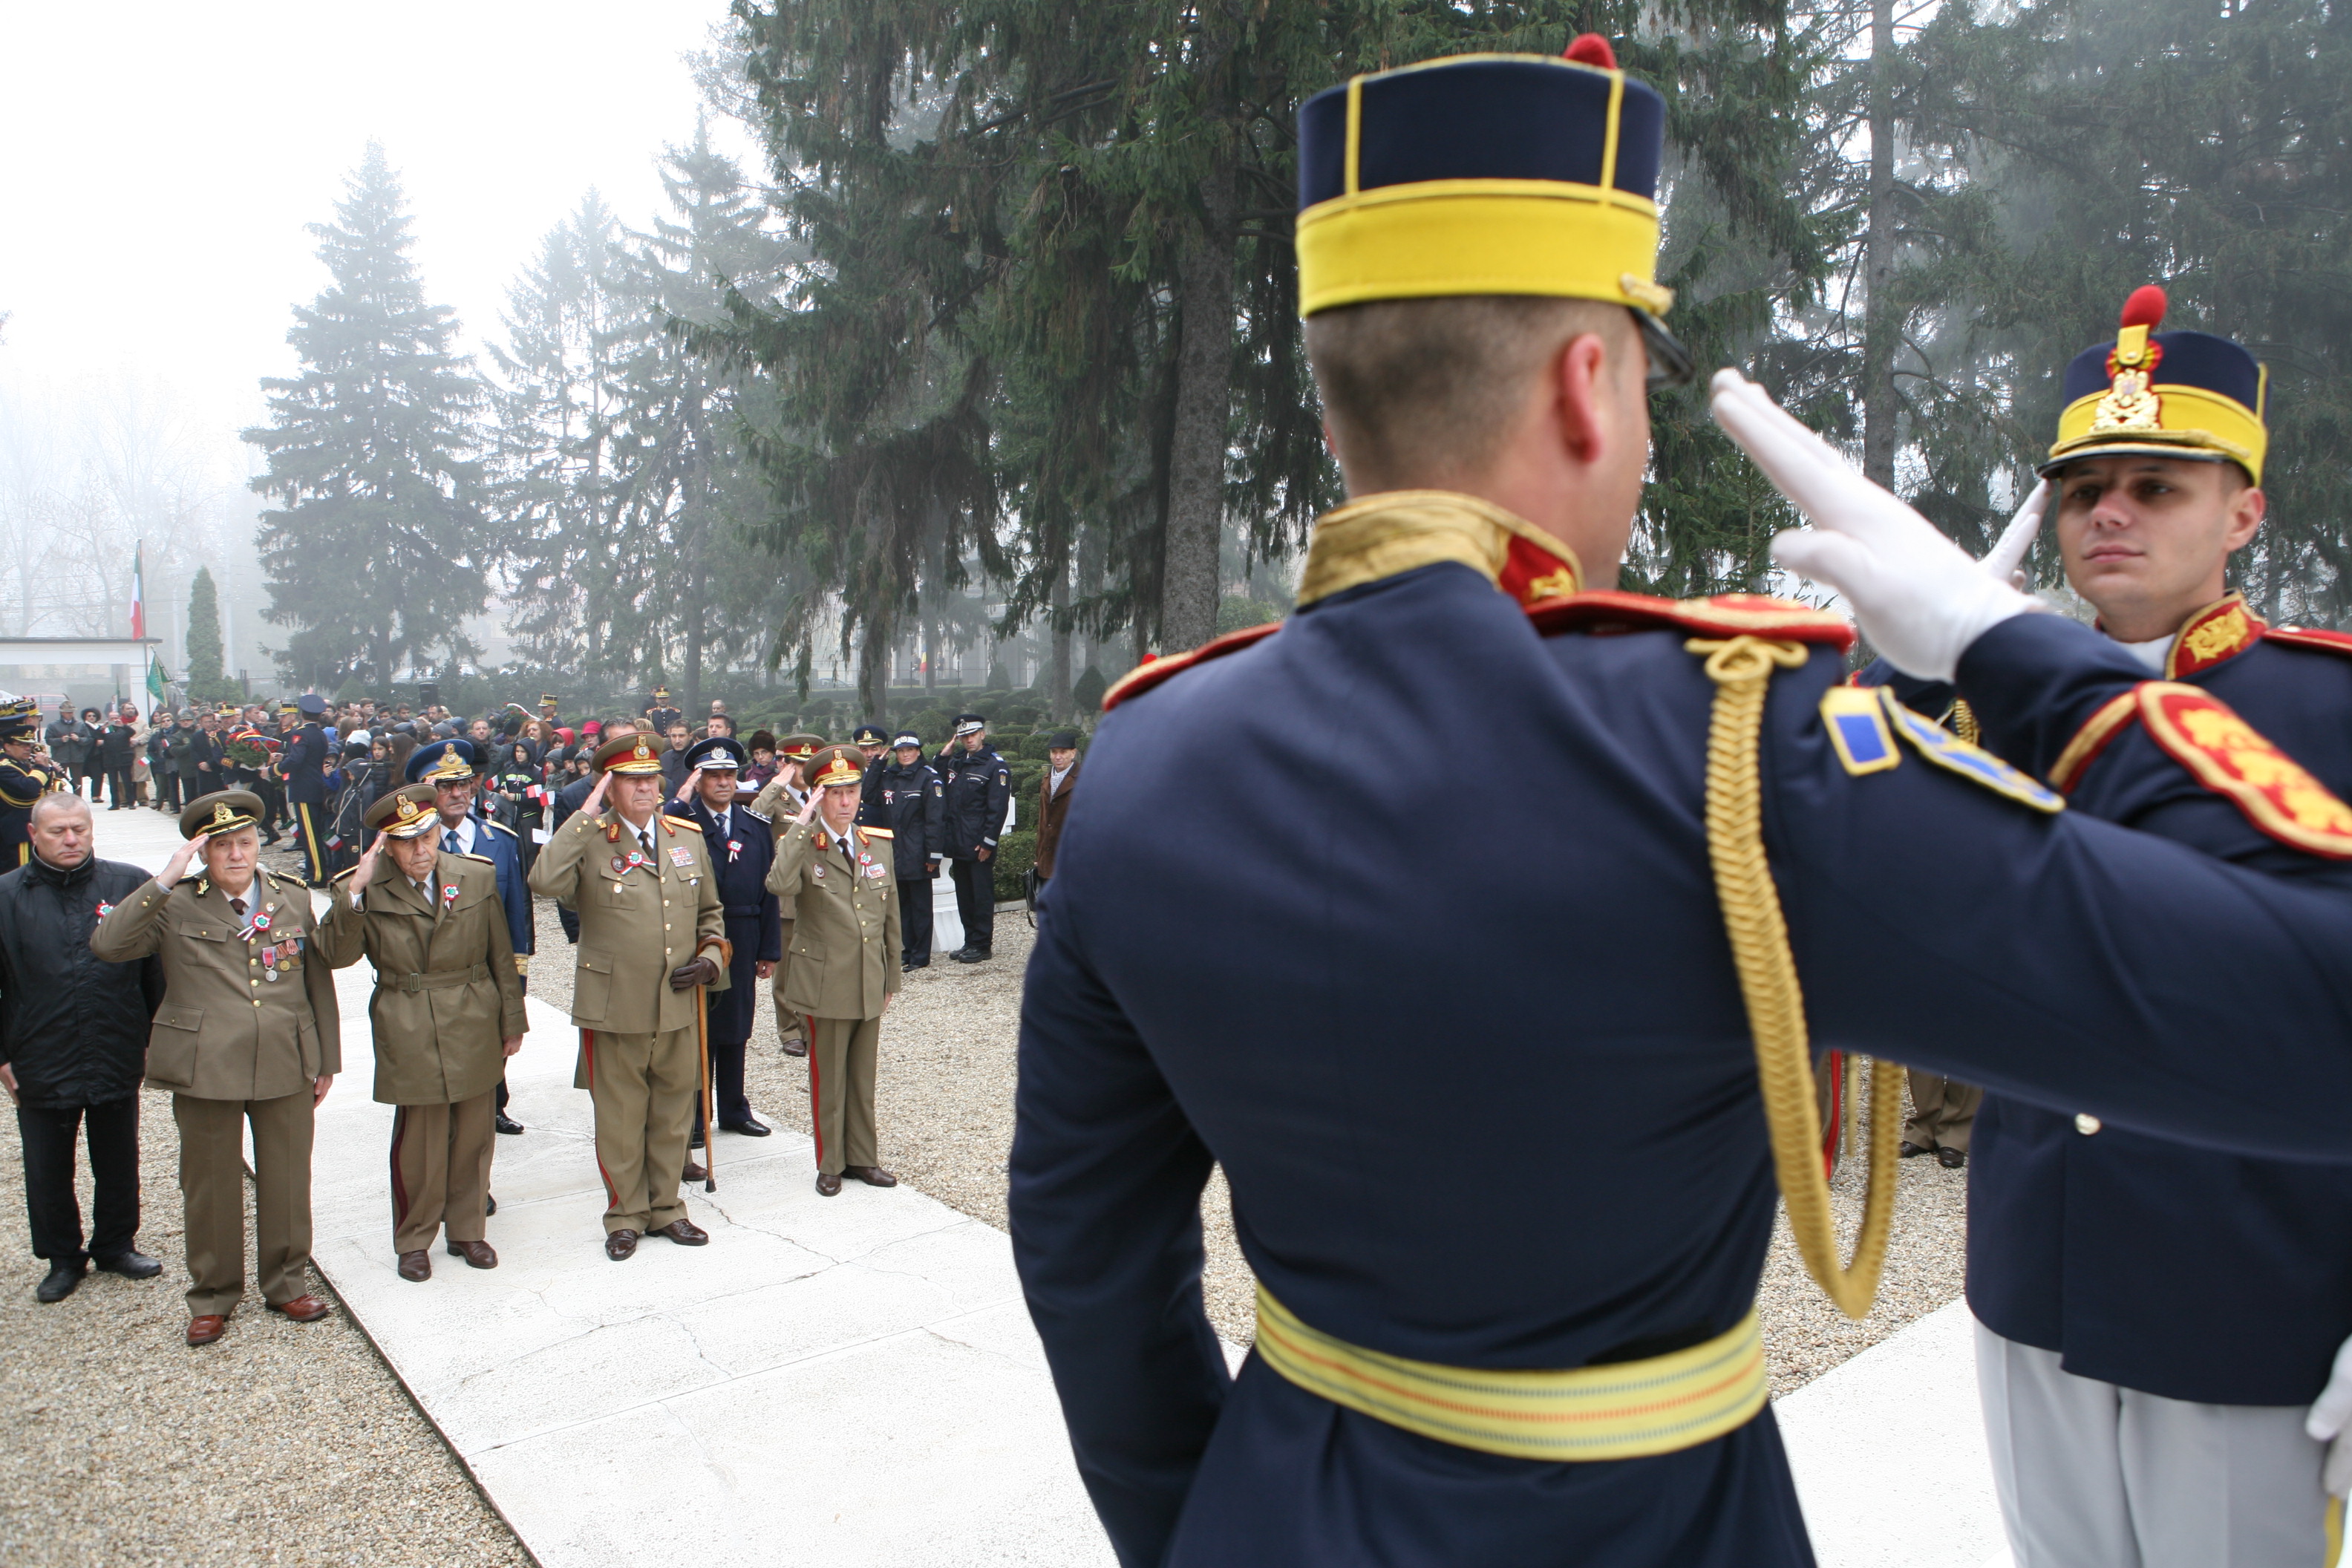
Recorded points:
139,620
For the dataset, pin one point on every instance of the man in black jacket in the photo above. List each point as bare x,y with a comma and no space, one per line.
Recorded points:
166,744
979,787
907,796
114,743
73,1042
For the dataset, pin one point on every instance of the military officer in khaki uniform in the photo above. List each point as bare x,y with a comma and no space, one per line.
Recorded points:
447,1012
777,801
840,962
247,1031
651,930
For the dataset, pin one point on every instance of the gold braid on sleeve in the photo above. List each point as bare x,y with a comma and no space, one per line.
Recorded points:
1742,670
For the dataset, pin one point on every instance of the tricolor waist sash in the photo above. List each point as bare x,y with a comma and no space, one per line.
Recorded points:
1624,1410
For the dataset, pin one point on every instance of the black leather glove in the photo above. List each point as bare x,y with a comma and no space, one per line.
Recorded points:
696,972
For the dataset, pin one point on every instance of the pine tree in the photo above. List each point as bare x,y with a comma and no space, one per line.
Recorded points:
376,548
206,682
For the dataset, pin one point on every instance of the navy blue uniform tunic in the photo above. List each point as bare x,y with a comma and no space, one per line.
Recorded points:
1504,1112
755,917
2179,1271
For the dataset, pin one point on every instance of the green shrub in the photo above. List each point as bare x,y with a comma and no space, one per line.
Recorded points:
1015,853
1021,713
1087,691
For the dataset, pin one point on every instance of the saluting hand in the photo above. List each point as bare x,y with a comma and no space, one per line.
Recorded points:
368,863
596,796
178,863
808,809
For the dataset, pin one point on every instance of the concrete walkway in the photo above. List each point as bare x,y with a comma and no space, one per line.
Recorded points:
854,1380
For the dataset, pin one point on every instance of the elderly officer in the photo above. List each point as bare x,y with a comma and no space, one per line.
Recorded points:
447,1013
1746,860
247,1031
913,806
2154,1319
979,785
742,848
454,768
651,930
27,774
843,964
777,800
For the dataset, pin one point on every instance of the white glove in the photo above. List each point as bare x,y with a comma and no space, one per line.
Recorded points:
1915,594
2330,1413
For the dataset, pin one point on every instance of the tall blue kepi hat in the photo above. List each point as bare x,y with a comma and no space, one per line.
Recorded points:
1487,174
442,762
2164,395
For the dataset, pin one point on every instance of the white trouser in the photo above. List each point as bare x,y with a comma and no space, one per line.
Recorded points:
2094,1476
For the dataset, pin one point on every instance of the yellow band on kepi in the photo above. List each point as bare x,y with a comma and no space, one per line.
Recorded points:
1446,237
2190,421
1626,1410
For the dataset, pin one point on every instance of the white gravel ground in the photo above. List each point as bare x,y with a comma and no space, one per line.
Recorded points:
294,1444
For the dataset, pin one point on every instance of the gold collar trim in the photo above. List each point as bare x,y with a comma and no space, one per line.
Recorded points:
1395,531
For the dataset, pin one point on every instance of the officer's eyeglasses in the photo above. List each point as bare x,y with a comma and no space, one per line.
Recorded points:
1671,364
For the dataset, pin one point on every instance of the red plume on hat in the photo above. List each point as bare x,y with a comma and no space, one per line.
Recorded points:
2145,307
1593,50
2145,310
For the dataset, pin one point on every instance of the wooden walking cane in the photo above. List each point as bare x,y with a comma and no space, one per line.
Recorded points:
705,1094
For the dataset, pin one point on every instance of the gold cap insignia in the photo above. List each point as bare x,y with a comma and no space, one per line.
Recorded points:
407,809
222,815
2131,403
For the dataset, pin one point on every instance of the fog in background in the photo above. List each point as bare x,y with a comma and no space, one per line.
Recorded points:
163,161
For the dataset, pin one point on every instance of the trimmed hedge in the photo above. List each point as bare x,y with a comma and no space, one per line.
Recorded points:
1015,853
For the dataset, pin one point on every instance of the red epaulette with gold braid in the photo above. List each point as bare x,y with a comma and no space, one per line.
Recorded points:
2304,636
1607,612
1144,677
2225,754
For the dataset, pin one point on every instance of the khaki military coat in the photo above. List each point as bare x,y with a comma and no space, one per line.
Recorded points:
637,922
841,958
446,994
779,806
225,1030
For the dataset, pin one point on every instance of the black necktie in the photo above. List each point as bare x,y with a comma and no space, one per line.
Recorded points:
237,907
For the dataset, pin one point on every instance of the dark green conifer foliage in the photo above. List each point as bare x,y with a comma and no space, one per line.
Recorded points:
206,682
375,545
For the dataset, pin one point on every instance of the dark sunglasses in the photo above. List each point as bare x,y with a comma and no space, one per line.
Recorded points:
1670,364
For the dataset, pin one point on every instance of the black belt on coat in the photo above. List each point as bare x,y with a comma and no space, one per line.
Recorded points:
433,979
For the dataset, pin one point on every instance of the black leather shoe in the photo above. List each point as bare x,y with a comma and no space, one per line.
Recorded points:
490,1205
1951,1159
694,1140
748,1128
962,954
132,1265
909,967
506,1123
1909,1149
620,1244
974,955
63,1280
827,1186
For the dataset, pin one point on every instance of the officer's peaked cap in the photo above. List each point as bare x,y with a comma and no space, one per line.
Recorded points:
637,753
716,753
836,765
442,761
222,811
406,813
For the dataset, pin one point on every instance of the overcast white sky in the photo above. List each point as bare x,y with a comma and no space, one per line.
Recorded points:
158,162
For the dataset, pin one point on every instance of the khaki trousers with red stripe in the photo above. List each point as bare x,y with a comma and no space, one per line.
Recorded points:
643,1086
841,1090
441,1171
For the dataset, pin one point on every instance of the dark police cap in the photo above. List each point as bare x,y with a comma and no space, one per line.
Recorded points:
406,813
311,704
868,735
222,811
716,753
442,761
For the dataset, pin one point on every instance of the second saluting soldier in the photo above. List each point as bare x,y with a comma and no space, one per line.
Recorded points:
843,965
650,932
447,1012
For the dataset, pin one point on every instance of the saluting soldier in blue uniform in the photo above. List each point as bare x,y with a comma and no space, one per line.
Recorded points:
304,765
2155,1319
742,847
27,774
1495,1149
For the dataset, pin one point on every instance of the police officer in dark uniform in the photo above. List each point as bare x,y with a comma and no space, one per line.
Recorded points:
911,803
979,785
742,847
1743,860
27,775
873,743
304,764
